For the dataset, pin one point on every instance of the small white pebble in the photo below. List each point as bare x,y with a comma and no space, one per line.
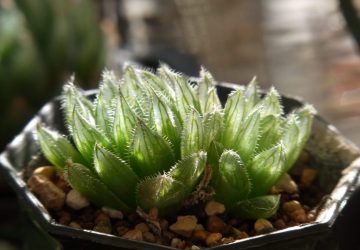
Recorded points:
113,213
75,200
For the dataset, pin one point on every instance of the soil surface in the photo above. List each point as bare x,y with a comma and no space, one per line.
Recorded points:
202,225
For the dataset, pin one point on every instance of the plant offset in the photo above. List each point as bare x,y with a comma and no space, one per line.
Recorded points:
159,141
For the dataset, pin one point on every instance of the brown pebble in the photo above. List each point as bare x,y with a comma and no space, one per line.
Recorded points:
100,216
52,197
149,237
311,215
142,227
184,225
214,208
308,176
74,224
233,222
286,184
304,157
199,227
295,211
75,200
103,227
64,218
167,235
240,234
113,213
214,224
279,224
164,224
153,214
213,239
121,230
87,225
46,171
102,223
227,240
178,243
133,234
61,183
263,226
200,235
133,218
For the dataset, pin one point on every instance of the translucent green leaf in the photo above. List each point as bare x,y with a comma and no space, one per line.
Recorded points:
162,192
184,93
72,97
251,96
271,128
85,136
214,153
165,123
232,182
206,83
103,116
296,134
258,207
158,84
266,169
109,87
116,174
189,170
135,90
56,148
213,125
124,123
87,183
149,153
131,82
245,140
233,116
271,104
192,139
212,101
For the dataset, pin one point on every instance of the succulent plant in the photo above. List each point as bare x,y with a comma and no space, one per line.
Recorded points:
150,140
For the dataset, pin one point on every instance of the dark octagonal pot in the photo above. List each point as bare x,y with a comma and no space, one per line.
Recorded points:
335,158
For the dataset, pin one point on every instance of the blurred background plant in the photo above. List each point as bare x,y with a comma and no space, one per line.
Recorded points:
41,44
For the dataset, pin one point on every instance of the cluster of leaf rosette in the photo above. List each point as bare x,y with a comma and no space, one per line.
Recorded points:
147,139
